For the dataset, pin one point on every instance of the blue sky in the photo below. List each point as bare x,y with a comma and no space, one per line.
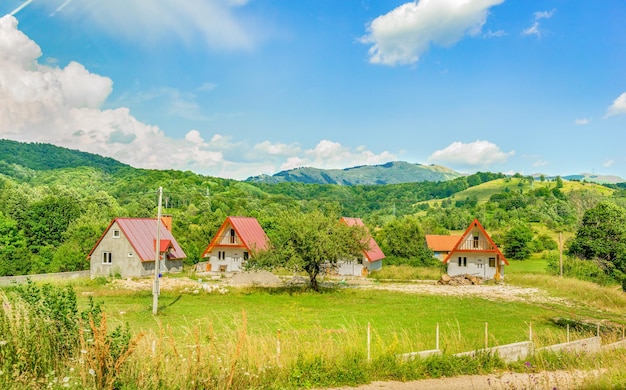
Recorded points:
236,88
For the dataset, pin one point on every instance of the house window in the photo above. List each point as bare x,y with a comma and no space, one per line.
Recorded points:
465,262
245,256
232,236
221,255
476,241
492,262
107,258
460,261
116,234
130,254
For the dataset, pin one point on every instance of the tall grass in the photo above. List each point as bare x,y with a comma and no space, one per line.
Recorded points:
195,356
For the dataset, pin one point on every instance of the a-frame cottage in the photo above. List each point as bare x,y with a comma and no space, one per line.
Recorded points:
235,241
476,254
127,248
371,259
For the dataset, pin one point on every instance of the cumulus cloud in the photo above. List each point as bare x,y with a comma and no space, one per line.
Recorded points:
213,22
618,107
62,106
405,33
534,28
473,154
582,121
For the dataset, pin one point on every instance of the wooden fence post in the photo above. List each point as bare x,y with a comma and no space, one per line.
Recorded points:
568,333
278,348
369,342
530,332
437,341
486,335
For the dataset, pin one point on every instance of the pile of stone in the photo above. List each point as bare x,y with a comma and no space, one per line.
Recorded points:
460,280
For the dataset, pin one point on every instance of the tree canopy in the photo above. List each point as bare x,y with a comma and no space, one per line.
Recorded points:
311,242
602,235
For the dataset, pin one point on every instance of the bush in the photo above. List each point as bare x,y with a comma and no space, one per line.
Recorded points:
590,270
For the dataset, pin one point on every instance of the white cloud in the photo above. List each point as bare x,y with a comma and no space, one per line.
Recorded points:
405,33
279,149
534,29
608,163
618,107
474,154
212,22
582,121
61,106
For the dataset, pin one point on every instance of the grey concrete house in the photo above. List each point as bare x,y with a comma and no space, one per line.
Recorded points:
128,247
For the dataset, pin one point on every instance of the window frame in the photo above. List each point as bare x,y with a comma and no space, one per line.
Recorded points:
107,258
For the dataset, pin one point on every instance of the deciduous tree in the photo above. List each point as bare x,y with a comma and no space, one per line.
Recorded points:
310,242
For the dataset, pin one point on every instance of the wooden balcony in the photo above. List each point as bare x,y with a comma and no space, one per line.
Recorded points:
476,245
227,239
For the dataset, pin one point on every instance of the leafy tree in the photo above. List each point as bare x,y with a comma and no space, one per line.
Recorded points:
47,220
602,235
404,238
311,243
517,241
14,256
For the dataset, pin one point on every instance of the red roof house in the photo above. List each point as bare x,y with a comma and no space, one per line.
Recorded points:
235,241
372,259
128,248
475,253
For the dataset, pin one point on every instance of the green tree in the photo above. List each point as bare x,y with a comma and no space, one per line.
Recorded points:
404,238
310,242
602,235
516,242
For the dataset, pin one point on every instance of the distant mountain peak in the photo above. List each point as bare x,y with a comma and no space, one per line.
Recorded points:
393,172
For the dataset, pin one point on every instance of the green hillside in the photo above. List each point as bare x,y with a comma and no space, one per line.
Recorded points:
55,203
37,156
390,173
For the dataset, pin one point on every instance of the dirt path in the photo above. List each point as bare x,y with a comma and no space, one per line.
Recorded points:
509,381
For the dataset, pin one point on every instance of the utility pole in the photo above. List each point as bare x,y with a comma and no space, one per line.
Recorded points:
157,258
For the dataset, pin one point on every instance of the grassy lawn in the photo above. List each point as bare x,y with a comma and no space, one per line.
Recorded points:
410,318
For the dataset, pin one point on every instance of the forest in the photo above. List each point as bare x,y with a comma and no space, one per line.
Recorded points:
55,203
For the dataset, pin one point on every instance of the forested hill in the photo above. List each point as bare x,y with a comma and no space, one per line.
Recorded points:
55,203
395,172
39,157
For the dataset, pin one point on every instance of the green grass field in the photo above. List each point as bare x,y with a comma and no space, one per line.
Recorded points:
277,338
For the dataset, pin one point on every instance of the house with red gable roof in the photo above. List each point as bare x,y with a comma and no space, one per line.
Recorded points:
371,259
476,254
235,241
128,248
441,244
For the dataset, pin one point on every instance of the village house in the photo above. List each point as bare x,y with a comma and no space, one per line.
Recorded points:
235,241
128,248
472,253
475,253
370,260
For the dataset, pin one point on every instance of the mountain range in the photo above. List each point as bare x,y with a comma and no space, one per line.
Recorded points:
40,156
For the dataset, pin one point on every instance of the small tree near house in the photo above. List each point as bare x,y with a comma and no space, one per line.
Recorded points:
311,243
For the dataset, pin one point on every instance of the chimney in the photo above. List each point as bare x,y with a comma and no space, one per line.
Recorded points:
167,221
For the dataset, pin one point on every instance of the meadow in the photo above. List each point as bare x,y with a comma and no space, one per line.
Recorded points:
283,338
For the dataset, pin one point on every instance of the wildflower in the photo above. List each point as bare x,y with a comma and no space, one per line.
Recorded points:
83,351
66,379
92,372
3,342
